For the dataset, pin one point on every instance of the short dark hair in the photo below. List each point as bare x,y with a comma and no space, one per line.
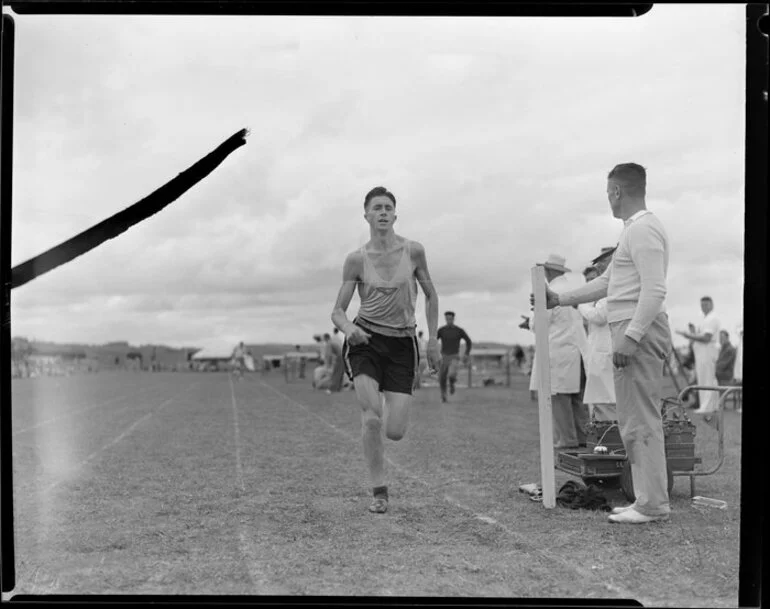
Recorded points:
631,176
327,335
378,191
606,252
711,300
452,313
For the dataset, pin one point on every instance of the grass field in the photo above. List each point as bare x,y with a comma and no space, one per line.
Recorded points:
185,483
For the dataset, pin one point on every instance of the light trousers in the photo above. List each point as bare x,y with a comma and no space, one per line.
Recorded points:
706,374
448,371
638,393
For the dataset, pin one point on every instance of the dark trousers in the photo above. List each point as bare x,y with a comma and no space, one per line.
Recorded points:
448,371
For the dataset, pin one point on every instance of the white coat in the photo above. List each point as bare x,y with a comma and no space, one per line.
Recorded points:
600,378
567,344
706,355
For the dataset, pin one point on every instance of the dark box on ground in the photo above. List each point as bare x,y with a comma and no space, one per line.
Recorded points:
679,440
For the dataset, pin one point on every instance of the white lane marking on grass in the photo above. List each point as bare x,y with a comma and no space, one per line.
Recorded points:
238,466
119,438
487,519
246,545
72,413
584,573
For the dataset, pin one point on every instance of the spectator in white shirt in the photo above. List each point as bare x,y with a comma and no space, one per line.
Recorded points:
705,346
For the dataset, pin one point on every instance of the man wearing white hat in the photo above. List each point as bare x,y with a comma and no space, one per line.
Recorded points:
566,345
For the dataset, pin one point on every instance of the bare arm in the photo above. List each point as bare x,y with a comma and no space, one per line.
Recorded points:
431,303
426,283
351,273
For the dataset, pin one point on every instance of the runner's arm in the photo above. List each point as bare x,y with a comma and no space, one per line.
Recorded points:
426,283
351,272
468,343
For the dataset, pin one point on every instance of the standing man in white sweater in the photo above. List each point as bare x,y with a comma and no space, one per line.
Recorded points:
635,287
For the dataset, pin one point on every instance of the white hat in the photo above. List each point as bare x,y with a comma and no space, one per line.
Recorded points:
556,263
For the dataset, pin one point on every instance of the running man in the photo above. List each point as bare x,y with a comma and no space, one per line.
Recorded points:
450,336
381,351
238,359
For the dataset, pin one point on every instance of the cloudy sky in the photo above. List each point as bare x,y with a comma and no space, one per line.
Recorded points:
495,134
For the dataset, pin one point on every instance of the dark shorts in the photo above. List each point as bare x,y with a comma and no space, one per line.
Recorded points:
391,361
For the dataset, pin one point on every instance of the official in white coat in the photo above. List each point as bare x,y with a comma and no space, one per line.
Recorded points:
599,392
567,345
705,347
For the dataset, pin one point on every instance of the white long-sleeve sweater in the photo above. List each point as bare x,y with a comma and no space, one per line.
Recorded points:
635,281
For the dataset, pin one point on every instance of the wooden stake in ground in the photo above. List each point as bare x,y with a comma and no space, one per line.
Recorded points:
543,364
125,219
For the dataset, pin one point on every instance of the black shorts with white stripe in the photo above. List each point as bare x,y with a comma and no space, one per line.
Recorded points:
392,361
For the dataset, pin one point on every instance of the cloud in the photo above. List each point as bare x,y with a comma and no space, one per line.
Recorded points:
495,134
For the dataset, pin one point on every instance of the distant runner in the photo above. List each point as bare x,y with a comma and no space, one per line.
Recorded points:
450,336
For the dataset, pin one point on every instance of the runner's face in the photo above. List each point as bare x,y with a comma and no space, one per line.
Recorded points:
381,213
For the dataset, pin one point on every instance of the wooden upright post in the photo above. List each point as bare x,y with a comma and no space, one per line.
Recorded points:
543,365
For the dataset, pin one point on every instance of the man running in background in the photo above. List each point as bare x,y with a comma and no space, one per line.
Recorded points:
450,336
381,352
238,359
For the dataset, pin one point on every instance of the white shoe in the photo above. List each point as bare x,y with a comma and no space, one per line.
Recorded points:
631,516
620,509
